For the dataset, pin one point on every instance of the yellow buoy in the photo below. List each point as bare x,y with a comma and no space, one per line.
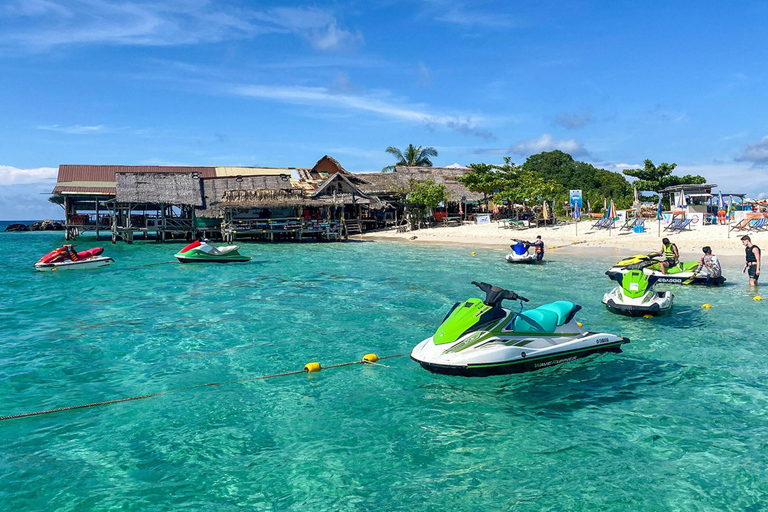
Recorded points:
312,367
706,306
757,297
370,358
552,247
580,324
647,316
473,253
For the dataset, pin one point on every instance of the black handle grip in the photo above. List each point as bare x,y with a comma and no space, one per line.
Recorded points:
523,299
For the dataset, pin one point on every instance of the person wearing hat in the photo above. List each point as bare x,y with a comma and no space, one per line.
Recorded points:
538,246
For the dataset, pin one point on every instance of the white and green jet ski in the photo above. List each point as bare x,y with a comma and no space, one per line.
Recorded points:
680,273
635,295
479,337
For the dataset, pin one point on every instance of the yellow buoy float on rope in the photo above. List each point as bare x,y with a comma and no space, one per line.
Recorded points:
473,253
312,367
647,316
706,306
370,358
757,297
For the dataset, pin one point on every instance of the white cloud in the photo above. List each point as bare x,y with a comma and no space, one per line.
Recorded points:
423,75
547,143
458,13
381,105
14,176
755,152
573,121
39,25
73,130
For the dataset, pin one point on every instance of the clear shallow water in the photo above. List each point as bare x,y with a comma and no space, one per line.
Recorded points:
676,422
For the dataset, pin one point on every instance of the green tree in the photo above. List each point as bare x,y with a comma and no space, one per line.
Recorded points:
414,156
423,196
483,178
657,178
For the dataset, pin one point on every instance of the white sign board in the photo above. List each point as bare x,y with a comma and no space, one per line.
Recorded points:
667,219
483,219
697,219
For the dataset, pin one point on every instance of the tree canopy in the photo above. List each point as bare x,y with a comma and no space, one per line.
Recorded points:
658,177
413,156
508,182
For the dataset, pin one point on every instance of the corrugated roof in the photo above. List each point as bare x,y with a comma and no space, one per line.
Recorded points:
107,172
252,171
110,191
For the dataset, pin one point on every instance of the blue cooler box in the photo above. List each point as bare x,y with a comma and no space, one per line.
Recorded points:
639,229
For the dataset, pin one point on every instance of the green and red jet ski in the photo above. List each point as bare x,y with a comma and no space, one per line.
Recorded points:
203,252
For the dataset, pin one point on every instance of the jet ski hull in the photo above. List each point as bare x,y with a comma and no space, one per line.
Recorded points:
520,365
99,261
205,258
518,258
658,304
514,355
670,278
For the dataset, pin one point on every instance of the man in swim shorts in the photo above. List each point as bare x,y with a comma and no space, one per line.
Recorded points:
538,246
752,265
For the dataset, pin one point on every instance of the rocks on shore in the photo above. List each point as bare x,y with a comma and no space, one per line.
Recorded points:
42,225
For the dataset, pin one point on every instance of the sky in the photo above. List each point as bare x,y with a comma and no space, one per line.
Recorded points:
227,82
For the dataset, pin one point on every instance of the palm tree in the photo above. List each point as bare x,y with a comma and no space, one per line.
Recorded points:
414,156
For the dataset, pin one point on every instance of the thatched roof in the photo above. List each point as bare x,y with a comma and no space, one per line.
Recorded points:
388,183
168,188
266,199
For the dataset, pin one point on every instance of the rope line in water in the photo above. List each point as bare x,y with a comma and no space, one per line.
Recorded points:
186,388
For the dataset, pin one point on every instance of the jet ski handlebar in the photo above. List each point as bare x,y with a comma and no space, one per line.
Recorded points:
494,294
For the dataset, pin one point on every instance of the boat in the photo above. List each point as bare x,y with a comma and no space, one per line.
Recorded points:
203,252
520,253
680,273
478,337
635,295
66,258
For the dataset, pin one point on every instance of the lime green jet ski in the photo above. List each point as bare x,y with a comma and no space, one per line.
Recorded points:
682,272
635,295
203,252
479,337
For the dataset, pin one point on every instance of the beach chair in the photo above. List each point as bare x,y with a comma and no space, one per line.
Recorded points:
674,225
629,224
686,224
608,224
757,225
742,224
599,223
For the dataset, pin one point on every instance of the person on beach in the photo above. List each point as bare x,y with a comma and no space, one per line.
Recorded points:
753,260
538,246
671,255
710,264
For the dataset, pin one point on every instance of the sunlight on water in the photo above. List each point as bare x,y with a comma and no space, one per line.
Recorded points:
676,422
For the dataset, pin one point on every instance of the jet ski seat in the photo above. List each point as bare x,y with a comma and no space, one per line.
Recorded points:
545,318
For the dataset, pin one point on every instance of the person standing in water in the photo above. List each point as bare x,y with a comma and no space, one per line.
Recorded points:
710,264
752,264
538,246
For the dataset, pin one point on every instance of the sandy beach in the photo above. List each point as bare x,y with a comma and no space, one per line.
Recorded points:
564,239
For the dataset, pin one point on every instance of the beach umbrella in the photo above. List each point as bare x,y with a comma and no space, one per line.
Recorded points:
545,210
659,214
637,198
605,204
720,204
683,201
612,210
589,206
729,213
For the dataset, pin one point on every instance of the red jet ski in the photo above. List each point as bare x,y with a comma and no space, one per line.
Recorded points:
66,258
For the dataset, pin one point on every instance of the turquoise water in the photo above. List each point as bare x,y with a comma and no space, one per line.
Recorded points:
676,422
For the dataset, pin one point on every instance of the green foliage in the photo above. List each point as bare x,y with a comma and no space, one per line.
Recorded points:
414,156
426,193
508,182
594,183
483,179
656,178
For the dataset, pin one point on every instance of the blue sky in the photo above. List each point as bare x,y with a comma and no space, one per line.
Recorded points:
281,84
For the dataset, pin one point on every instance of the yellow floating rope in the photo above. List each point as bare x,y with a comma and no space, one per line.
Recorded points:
367,359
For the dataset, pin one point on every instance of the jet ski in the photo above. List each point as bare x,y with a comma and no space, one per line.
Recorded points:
682,272
520,253
203,252
66,258
635,295
478,338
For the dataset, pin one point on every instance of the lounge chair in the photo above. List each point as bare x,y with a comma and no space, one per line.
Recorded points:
629,224
686,224
757,225
608,224
674,225
599,223
742,224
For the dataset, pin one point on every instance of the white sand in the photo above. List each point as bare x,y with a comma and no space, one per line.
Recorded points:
689,243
